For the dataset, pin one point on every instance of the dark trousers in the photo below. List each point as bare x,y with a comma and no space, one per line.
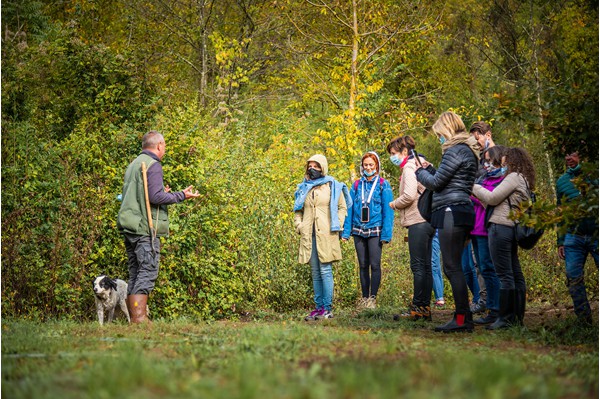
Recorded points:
142,263
419,248
452,244
505,256
368,251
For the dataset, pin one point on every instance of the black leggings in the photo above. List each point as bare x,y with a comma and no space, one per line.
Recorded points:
368,251
419,248
452,244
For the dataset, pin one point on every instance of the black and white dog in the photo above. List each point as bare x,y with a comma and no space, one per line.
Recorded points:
110,293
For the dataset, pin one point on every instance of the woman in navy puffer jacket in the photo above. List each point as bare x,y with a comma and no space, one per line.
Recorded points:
452,211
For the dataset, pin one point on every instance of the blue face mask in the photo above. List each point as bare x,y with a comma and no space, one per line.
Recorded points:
368,174
442,140
396,160
493,172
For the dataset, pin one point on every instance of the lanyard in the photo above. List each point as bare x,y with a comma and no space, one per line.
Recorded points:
371,193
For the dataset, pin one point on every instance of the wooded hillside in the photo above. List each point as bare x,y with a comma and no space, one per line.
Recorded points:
244,92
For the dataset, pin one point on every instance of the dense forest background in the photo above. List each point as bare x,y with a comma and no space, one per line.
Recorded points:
244,92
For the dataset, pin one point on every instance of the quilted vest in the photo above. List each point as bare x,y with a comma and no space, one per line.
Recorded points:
132,217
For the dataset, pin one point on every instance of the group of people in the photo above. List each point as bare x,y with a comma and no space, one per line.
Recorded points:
475,189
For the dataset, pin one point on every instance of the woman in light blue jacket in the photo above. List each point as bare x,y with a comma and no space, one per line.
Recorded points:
371,221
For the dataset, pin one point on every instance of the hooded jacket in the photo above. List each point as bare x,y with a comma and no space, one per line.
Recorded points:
313,214
380,214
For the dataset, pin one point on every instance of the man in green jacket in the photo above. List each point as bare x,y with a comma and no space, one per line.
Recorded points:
142,243
580,239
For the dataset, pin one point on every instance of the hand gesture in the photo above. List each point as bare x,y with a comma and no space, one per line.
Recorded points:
190,192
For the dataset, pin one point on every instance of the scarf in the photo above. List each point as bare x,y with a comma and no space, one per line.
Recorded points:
463,138
337,189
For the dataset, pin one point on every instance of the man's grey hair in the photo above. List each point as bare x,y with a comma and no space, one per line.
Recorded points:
152,139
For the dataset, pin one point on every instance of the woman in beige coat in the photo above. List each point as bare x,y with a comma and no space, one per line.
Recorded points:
504,250
420,232
320,208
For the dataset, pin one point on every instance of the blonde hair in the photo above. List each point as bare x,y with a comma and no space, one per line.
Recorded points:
448,125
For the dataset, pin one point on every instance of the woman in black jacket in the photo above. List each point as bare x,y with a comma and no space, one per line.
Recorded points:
452,210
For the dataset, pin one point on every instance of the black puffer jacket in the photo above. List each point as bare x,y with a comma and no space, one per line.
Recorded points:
452,183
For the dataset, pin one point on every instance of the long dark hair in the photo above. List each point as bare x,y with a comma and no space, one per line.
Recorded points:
401,142
519,161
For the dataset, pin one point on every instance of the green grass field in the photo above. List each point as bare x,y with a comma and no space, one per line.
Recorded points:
280,356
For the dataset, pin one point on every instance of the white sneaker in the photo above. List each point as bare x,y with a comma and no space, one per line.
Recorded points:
362,303
325,315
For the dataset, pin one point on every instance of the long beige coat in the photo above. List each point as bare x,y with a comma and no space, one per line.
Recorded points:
316,213
410,188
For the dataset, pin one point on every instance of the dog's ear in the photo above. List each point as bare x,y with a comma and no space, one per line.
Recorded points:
112,283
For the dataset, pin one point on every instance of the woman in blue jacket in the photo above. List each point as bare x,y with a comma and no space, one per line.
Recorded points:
371,221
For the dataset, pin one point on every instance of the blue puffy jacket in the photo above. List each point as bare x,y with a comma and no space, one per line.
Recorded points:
381,215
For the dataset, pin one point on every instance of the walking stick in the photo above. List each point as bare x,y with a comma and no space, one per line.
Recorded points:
148,209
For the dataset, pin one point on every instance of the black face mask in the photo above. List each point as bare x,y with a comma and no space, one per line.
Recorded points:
314,174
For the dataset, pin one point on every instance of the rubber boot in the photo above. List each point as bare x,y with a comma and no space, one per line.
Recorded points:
137,308
507,317
455,325
520,301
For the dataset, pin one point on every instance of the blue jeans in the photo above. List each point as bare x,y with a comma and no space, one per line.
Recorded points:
486,268
322,276
436,268
468,267
577,249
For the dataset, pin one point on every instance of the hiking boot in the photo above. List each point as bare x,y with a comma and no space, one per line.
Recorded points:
489,318
459,323
325,314
477,308
415,313
312,316
371,302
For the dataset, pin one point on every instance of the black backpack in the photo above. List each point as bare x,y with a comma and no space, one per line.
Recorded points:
527,236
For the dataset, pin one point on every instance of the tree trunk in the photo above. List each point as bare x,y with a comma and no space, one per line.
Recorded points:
354,69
